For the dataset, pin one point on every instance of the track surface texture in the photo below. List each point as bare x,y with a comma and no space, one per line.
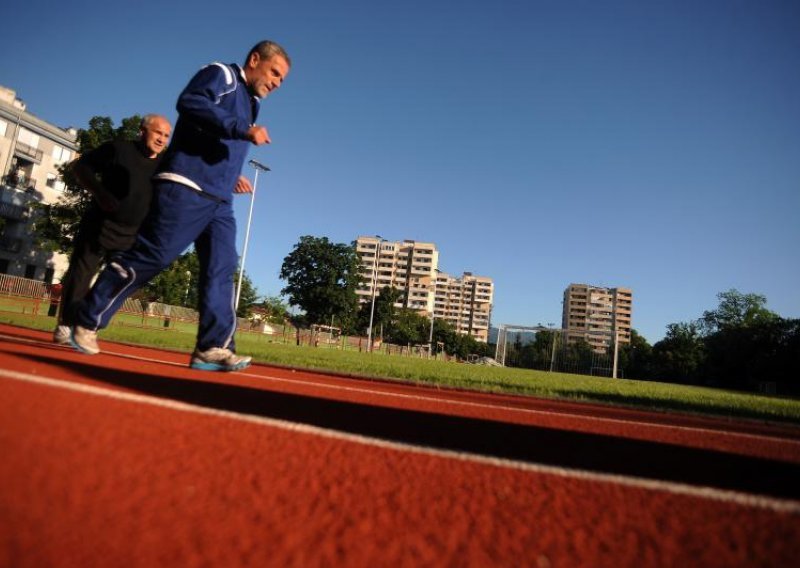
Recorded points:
130,458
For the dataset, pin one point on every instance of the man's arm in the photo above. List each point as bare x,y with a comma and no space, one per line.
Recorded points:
199,102
86,169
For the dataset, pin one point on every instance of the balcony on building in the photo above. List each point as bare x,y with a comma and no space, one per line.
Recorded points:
10,244
29,152
14,212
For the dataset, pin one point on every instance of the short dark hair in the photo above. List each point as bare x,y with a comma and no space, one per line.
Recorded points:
267,49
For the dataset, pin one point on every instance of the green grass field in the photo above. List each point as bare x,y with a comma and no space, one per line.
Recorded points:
629,393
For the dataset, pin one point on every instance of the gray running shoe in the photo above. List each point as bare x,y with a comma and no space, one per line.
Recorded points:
61,335
218,359
84,340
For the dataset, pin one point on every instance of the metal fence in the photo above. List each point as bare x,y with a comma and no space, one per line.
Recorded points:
23,287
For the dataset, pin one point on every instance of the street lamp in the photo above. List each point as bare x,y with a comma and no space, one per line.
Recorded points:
188,274
374,286
433,312
257,166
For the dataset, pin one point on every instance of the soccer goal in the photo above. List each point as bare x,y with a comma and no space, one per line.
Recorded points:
585,352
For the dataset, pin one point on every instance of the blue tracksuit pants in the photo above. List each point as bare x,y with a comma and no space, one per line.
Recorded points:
179,217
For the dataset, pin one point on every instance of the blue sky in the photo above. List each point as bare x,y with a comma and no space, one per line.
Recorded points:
651,145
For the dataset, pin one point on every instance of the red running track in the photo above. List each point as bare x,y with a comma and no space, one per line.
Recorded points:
129,458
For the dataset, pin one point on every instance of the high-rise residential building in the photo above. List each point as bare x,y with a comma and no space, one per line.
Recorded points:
412,267
466,303
597,314
31,150
408,266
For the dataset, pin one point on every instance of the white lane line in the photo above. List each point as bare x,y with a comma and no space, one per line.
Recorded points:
479,405
486,406
720,495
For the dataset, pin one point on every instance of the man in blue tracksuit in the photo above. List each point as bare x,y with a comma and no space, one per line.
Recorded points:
192,204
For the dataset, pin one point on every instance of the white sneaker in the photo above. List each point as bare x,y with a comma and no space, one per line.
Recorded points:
84,340
61,335
218,359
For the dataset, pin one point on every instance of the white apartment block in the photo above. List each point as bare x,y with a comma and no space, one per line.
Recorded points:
412,267
465,302
408,266
31,150
597,315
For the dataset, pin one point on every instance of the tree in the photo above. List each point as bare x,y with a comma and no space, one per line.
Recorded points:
247,297
736,310
322,278
277,309
679,356
408,327
635,357
538,353
178,284
56,224
384,311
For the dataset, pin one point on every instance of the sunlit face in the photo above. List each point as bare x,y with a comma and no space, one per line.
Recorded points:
156,135
265,75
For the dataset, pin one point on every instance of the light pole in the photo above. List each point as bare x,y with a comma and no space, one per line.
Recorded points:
188,285
374,286
433,313
256,166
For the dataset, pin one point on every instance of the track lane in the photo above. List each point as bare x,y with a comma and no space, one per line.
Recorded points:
268,489
135,484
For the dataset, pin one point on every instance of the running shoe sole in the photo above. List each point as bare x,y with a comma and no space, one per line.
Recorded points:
78,347
203,366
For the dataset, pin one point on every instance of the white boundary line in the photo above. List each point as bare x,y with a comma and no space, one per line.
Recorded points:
463,403
726,496
486,406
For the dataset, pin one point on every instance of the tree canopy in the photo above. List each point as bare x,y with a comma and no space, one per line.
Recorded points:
736,310
321,279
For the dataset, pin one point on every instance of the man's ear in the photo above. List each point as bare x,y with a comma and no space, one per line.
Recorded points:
254,59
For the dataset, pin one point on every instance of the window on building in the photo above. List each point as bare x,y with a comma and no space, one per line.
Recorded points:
54,181
3,266
28,137
3,127
30,271
61,155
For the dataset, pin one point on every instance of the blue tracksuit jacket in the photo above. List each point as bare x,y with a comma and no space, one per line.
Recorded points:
209,147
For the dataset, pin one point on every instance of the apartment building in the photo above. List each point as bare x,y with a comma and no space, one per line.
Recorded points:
597,314
413,268
466,303
408,266
31,150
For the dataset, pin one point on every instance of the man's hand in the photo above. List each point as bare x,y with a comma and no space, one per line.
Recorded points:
258,135
243,186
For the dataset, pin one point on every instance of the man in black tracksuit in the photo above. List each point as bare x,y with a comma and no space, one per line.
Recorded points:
118,175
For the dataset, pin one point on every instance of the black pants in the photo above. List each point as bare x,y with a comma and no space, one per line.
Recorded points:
95,243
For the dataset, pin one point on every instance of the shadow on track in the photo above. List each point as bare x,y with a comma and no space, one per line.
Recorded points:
532,444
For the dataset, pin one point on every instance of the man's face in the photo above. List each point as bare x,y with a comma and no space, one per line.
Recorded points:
265,75
156,135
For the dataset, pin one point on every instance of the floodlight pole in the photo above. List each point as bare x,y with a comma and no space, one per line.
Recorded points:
374,285
433,312
256,166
